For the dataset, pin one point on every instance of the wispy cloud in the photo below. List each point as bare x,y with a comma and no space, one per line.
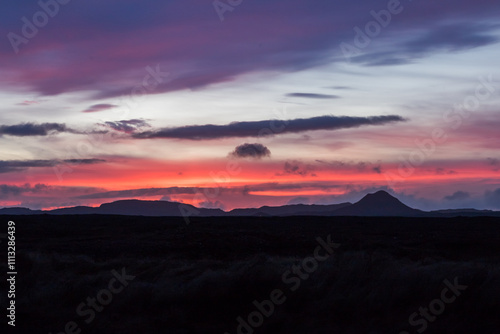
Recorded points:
313,96
7,166
440,38
99,107
28,103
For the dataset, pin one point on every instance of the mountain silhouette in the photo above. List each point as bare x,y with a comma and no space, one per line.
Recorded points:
380,203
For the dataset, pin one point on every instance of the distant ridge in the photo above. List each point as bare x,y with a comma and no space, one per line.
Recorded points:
131,207
378,204
289,210
154,208
19,211
465,213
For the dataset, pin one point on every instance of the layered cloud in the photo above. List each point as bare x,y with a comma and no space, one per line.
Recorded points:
267,127
20,165
199,50
42,196
33,129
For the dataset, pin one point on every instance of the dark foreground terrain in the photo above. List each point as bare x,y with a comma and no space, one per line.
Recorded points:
120,274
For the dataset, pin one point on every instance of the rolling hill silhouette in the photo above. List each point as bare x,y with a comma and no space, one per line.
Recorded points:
20,211
289,210
138,208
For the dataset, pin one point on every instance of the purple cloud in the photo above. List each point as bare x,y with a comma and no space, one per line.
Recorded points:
99,107
32,129
200,50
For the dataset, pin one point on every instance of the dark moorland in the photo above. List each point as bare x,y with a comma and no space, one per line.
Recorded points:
200,277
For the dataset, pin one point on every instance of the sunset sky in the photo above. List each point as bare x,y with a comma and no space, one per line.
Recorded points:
244,103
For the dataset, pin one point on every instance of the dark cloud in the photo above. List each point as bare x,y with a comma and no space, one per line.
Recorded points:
7,166
442,171
458,196
100,107
313,96
360,166
127,126
32,129
255,151
7,190
495,163
81,161
492,198
262,128
294,167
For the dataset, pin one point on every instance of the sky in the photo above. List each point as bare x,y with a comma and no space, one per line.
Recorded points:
244,103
